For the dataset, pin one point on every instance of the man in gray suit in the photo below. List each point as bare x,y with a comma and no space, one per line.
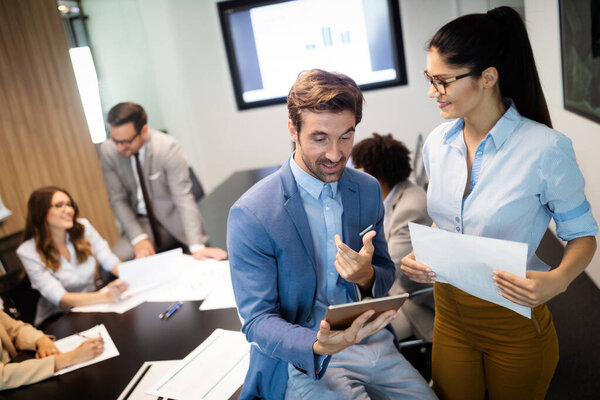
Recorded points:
157,212
388,160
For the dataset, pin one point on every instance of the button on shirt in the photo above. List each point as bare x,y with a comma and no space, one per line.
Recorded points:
523,174
323,206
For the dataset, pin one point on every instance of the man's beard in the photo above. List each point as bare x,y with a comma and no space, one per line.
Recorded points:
320,173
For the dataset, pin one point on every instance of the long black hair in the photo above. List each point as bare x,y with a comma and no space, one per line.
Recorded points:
496,39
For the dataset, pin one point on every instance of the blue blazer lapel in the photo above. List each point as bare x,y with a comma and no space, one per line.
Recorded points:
351,216
295,209
350,222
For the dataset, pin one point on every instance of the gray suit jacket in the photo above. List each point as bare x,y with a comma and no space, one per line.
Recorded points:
408,204
166,172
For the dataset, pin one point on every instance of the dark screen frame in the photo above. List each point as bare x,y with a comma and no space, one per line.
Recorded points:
227,7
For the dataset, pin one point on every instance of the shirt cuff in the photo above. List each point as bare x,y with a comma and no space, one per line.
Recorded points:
319,361
196,247
138,239
359,293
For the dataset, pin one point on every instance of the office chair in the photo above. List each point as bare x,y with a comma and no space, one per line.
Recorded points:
20,299
197,189
417,348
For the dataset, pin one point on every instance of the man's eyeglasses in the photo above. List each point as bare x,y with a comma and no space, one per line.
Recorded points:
61,205
125,141
440,84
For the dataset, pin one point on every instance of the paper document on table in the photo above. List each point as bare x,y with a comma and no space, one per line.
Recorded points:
221,295
71,342
214,370
168,276
146,272
192,280
119,307
467,261
149,373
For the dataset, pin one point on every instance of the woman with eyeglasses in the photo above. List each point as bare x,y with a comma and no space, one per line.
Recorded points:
499,171
59,253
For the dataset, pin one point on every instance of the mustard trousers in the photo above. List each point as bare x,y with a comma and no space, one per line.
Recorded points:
479,346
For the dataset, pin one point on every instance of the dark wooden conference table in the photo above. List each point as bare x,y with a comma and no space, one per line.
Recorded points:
139,334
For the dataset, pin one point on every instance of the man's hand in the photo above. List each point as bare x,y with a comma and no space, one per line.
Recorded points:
45,347
356,267
210,252
143,248
331,342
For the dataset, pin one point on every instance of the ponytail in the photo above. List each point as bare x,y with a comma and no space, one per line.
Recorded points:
497,39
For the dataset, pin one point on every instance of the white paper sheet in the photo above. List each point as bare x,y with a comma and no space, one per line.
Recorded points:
192,280
149,374
214,370
119,307
467,261
221,295
168,276
147,271
71,342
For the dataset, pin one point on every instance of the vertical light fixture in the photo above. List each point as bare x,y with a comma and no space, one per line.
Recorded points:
87,82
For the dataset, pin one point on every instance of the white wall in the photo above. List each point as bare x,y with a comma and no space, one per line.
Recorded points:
120,51
542,21
181,45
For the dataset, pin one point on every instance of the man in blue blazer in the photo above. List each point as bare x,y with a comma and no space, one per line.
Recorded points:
295,247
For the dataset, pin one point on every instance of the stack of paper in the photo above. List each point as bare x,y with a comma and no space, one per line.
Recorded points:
168,276
149,373
214,370
221,295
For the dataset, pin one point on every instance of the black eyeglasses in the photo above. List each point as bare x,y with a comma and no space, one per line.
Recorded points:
126,141
61,205
440,84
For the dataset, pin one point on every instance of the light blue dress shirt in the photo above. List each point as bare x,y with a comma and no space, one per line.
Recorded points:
523,174
373,362
323,206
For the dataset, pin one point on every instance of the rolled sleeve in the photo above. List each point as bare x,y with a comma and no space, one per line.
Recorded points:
563,191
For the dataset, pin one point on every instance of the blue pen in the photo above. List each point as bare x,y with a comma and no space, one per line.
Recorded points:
170,311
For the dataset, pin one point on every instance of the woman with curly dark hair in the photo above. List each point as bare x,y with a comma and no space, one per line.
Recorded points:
388,160
59,253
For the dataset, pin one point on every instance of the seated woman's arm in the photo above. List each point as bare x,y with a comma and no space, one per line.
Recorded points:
102,252
26,337
108,294
52,289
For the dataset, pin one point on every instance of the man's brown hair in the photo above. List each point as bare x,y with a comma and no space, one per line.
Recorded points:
124,113
321,91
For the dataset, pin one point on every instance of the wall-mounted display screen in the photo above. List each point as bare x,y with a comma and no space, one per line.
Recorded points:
269,43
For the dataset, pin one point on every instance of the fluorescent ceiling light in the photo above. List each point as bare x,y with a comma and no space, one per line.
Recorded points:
87,82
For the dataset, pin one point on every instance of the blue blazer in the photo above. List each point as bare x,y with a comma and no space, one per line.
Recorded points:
274,273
